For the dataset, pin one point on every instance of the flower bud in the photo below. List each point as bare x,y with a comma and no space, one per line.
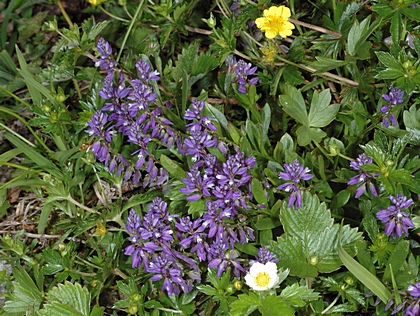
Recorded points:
132,310
211,22
313,261
334,149
238,285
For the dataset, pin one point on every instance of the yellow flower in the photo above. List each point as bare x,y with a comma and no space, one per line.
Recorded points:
96,2
275,22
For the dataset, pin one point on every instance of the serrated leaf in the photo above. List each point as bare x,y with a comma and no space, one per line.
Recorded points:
310,242
26,297
323,64
245,304
274,306
396,27
69,296
322,112
298,295
54,262
58,309
389,61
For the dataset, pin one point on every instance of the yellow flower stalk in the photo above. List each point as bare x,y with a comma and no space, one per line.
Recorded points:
275,22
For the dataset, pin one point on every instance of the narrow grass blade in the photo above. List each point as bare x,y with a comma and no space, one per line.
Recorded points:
364,276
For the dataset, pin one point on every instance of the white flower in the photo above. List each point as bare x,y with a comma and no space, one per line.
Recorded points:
262,277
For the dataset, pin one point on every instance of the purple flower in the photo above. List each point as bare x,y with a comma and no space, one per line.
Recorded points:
396,221
413,309
105,50
222,258
243,70
362,178
264,256
394,97
414,290
164,267
294,172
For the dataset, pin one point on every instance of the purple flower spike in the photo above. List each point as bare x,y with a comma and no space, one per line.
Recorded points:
294,172
396,221
243,70
264,256
363,178
394,97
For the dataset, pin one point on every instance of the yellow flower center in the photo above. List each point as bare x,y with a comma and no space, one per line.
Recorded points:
262,279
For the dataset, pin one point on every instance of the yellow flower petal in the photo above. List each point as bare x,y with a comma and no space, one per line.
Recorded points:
275,22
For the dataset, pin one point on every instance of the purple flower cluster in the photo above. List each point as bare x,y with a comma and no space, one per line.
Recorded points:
396,221
294,173
264,256
130,109
394,97
153,246
363,177
243,70
411,305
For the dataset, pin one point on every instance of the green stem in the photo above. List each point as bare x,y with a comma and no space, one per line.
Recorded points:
76,86
113,16
64,13
15,97
40,141
17,135
130,27
70,199
331,305
328,75
324,152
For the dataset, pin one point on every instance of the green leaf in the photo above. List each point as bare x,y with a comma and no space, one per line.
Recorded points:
389,61
274,306
54,262
355,35
26,296
340,199
68,299
173,168
258,192
220,117
307,134
298,295
412,13
245,304
309,244
396,258
323,64
364,276
322,112
396,27
294,105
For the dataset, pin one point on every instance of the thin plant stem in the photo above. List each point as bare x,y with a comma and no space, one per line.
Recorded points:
70,199
17,135
130,27
331,305
40,141
64,13
76,86
315,27
113,16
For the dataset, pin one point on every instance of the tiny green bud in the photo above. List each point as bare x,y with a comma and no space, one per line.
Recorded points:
132,310
407,64
313,261
389,163
230,288
53,117
47,177
60,97
122,3
349,280
211,22
90,157
334,149
136,297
